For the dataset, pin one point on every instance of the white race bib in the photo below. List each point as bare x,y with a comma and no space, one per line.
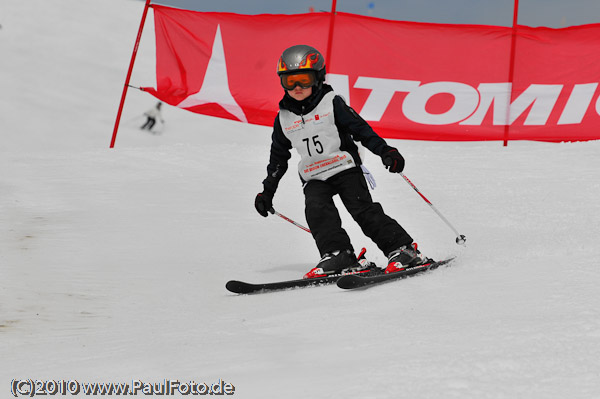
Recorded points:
317,139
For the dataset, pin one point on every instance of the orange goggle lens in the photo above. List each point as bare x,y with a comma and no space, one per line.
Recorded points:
304,80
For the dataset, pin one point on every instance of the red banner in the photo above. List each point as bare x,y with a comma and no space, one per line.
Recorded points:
408,80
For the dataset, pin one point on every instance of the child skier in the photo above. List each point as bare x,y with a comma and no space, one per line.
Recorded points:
322,128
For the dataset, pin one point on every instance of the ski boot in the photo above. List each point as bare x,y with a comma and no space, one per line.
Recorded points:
405,257
335,263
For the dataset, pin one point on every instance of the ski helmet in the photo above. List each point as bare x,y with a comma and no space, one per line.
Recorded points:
302,58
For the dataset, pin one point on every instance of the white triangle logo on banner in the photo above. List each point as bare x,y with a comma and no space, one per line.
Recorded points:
215,88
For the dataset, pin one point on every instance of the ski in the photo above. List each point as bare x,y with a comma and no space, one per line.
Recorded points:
241,287
360,281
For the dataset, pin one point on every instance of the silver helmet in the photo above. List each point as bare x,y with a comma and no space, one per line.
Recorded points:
302,58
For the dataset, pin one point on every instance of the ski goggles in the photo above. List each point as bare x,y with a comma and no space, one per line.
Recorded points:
303,79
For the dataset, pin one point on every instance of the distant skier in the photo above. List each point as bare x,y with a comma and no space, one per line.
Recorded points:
152,115
322,128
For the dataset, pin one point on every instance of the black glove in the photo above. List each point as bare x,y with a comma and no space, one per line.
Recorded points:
263,203
392,160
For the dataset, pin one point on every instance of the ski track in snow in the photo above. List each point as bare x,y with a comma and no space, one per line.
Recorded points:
114,262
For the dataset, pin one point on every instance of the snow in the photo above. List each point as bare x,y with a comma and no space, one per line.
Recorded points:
114,261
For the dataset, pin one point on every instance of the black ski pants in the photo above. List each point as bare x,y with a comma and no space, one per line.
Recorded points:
149,123
324,220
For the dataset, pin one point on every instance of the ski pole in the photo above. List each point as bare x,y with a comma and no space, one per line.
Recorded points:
460,239
273,211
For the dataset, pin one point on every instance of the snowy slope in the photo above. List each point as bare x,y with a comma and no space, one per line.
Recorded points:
114,262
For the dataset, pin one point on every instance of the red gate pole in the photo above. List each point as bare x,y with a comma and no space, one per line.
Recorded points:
330,38
125,86
511,68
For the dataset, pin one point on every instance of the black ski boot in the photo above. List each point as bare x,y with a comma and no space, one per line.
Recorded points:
404,257
335,262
